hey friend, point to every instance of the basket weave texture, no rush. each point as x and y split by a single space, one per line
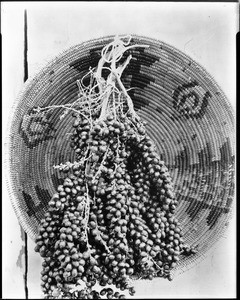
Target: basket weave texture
189 119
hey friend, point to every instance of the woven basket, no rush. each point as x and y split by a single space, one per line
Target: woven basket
189 119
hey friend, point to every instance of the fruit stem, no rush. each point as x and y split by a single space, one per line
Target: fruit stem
113 56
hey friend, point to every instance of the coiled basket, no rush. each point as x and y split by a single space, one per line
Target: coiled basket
189 119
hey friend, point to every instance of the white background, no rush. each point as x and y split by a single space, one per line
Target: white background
205 31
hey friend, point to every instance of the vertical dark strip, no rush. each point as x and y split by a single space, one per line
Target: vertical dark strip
25 58
26 265
25 77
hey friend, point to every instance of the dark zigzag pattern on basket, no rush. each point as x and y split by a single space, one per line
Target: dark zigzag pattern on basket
214 211
205 157
43 196
188 102
226 183
132 76
83 64
182 161
196 206
36 128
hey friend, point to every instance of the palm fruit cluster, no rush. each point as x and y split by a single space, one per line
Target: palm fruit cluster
112 219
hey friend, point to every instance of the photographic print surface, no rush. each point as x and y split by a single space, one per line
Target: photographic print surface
171 76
